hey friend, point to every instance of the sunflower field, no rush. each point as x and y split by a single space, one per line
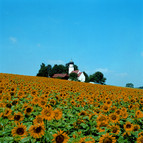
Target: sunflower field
46 110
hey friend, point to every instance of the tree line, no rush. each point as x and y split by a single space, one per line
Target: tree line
49 71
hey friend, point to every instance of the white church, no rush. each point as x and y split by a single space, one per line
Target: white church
80 75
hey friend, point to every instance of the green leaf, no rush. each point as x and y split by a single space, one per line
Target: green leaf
25 140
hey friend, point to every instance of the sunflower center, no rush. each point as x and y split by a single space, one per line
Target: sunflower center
8 105
39 120
108 102
135 128
38 129
48 113
17 117
128 126
28 110
11 93
105 107
59 139
56 114
20 131
14 102
43 102
107 140
114 117
114 130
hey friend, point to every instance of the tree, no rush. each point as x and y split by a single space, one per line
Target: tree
73 76
44 70
57 69
49 68
97 77
86 77
130 85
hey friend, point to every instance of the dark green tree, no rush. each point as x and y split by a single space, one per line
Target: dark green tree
57 69
97 77
49 68
43 70
130 85
86 77
73 76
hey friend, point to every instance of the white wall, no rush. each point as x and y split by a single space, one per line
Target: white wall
71 68
82 77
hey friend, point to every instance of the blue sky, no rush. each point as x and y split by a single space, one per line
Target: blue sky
98 35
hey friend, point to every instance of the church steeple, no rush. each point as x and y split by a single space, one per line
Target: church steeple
71 66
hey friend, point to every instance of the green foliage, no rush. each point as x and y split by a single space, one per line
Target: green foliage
49 71
130 85
44 70
73 76
57 69
86 77
97 77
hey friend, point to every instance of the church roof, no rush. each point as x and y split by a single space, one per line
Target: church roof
62 75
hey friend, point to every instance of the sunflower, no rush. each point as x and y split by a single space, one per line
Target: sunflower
124 114
115 129
136 127
34 93
47 113
38 120
113 117
102 117
52 102
82 113
14 102
107 139
105 108
140 134
138 114
18 117
28 110
37 131
86 140
35 100
60 137
101 126
128 126
7 112
140 139
20 130
20 94
108 102
42 103
57 114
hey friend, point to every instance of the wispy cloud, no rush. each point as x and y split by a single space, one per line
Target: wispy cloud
13 39
38 45
124 74
52 62
104 70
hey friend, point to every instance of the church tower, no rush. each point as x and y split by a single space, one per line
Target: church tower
71 66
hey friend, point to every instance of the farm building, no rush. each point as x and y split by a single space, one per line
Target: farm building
80 75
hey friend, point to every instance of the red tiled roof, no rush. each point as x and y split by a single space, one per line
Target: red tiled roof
75 71
59 75
79 74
